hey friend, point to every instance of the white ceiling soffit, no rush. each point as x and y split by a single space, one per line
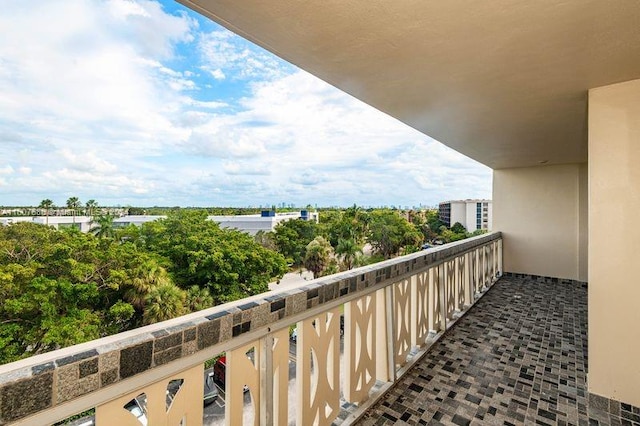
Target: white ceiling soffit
504 82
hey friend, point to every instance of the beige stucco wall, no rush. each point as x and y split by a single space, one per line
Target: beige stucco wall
614 235
542 212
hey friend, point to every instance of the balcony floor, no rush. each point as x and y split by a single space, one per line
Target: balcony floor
519 356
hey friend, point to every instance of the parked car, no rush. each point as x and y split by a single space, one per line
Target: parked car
220 373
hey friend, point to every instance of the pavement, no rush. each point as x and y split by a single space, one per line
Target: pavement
292 279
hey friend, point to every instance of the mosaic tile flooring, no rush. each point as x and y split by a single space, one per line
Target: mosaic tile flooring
518 357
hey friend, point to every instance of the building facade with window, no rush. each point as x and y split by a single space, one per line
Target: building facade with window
472 214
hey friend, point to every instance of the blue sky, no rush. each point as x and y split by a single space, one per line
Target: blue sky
147 103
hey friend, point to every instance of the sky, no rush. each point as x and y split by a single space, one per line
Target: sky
147 103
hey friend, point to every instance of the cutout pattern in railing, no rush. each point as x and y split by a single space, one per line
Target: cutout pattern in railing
318 369
420 308
436 292
450 287
168 402
402 320
359 347
244 363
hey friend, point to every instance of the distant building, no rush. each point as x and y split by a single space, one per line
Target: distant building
472 214
83 223
138 220
265 221
251 224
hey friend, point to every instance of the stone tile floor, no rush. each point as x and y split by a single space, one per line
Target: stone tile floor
518 357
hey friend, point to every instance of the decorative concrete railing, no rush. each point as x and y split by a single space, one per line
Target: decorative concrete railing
392 310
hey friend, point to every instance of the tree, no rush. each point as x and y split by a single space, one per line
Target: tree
266 240
198 299
292 238
458 228
348 224
104 226
91 206
348 250
164 302
318 256
61 288
47 205
227 262
142 280
74 204
430 228
456 233
390 233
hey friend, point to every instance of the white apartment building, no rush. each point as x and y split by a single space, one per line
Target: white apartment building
472 214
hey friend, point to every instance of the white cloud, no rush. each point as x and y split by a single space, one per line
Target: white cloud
87 162
6 170
105 100
225 53
243 168
218 74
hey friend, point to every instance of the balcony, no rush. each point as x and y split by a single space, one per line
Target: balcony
437 336
393 312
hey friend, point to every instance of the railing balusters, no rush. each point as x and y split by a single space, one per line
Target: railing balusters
318 369
450 286
243 369
420 308
461 282
274 379
402 318
442 296
360 347
185 405
384 344
435 317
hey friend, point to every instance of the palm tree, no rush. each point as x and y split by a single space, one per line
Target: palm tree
46 204
163 302
91 206
318 256
145 277
104 227
198 298
74 204
348 250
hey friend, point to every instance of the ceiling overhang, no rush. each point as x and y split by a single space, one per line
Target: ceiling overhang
505 83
